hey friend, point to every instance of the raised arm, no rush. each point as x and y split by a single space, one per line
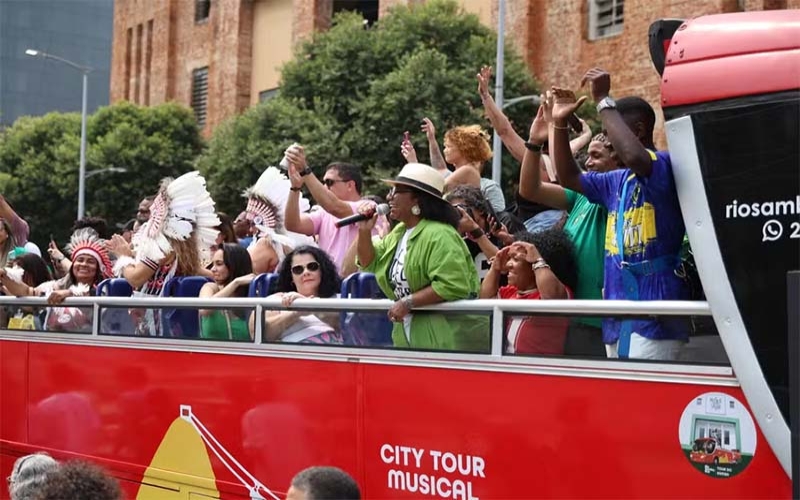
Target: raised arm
583 140
548 284
531 186
18 225
491 282
437 160
630 150
563 104
499 121
323 196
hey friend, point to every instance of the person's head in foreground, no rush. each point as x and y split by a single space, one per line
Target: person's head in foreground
323 483
28 474
79 480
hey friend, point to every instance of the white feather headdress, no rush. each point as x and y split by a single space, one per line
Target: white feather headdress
182 207
266 200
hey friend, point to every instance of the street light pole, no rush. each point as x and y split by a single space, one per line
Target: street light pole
497 143
82 168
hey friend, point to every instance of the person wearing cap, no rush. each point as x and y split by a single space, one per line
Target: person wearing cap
423 261
29 474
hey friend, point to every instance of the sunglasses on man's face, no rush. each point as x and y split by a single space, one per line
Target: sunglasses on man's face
331 182
300 269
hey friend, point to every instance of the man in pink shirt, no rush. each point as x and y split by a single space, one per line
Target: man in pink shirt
338 196
19 228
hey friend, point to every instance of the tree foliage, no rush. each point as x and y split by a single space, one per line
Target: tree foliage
39 162
351 92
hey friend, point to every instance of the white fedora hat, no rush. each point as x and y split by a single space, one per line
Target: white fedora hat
420 176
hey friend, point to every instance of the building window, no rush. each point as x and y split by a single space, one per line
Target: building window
201 10
266 95
200 95
367 8
605 18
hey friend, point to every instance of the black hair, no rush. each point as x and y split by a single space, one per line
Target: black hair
330 283
436 209
237 259
323 483
36 270
474 199
348 172
98 224
557 249
226 228
635 109
78 479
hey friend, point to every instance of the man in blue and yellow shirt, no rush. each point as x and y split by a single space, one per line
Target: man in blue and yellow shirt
645 228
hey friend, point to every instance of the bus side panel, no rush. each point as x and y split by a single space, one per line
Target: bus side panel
521 435
13 390
274 416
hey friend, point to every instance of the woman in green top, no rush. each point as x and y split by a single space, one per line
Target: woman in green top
423 261
232 271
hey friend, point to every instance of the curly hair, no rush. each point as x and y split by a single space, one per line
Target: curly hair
28 474
474 199
471 141
436 209
557 249
77 479
330 283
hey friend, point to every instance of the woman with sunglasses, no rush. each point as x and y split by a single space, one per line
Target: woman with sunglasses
306 272
423 261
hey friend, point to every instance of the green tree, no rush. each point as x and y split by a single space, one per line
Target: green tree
39 159
351 92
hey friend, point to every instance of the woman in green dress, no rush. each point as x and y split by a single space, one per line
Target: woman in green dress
232 271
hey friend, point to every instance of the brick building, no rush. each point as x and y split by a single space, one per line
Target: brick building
221 56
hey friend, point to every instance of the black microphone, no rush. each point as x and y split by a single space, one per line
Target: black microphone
381 209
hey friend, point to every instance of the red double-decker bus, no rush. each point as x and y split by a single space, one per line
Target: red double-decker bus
178 418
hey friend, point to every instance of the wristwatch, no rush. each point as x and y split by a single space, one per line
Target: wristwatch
537 148
305 171
606 103
476 233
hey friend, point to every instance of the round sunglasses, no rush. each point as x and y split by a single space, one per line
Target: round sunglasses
300 269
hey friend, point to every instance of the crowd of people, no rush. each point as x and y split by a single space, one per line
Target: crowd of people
607 228
40 477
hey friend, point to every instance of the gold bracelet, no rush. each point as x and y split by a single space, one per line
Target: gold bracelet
560 128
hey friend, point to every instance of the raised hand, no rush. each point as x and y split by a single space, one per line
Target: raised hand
429 129
599 83
484 76
500 260
295 178
407 150
296 156
564 104
118 246
527 251
539 127
466 223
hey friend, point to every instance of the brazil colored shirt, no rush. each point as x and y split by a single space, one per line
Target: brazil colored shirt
652 227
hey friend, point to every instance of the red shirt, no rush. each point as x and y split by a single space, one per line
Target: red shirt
534 334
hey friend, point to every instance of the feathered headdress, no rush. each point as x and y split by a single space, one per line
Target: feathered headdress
266 200
182 207
86 241
266 206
